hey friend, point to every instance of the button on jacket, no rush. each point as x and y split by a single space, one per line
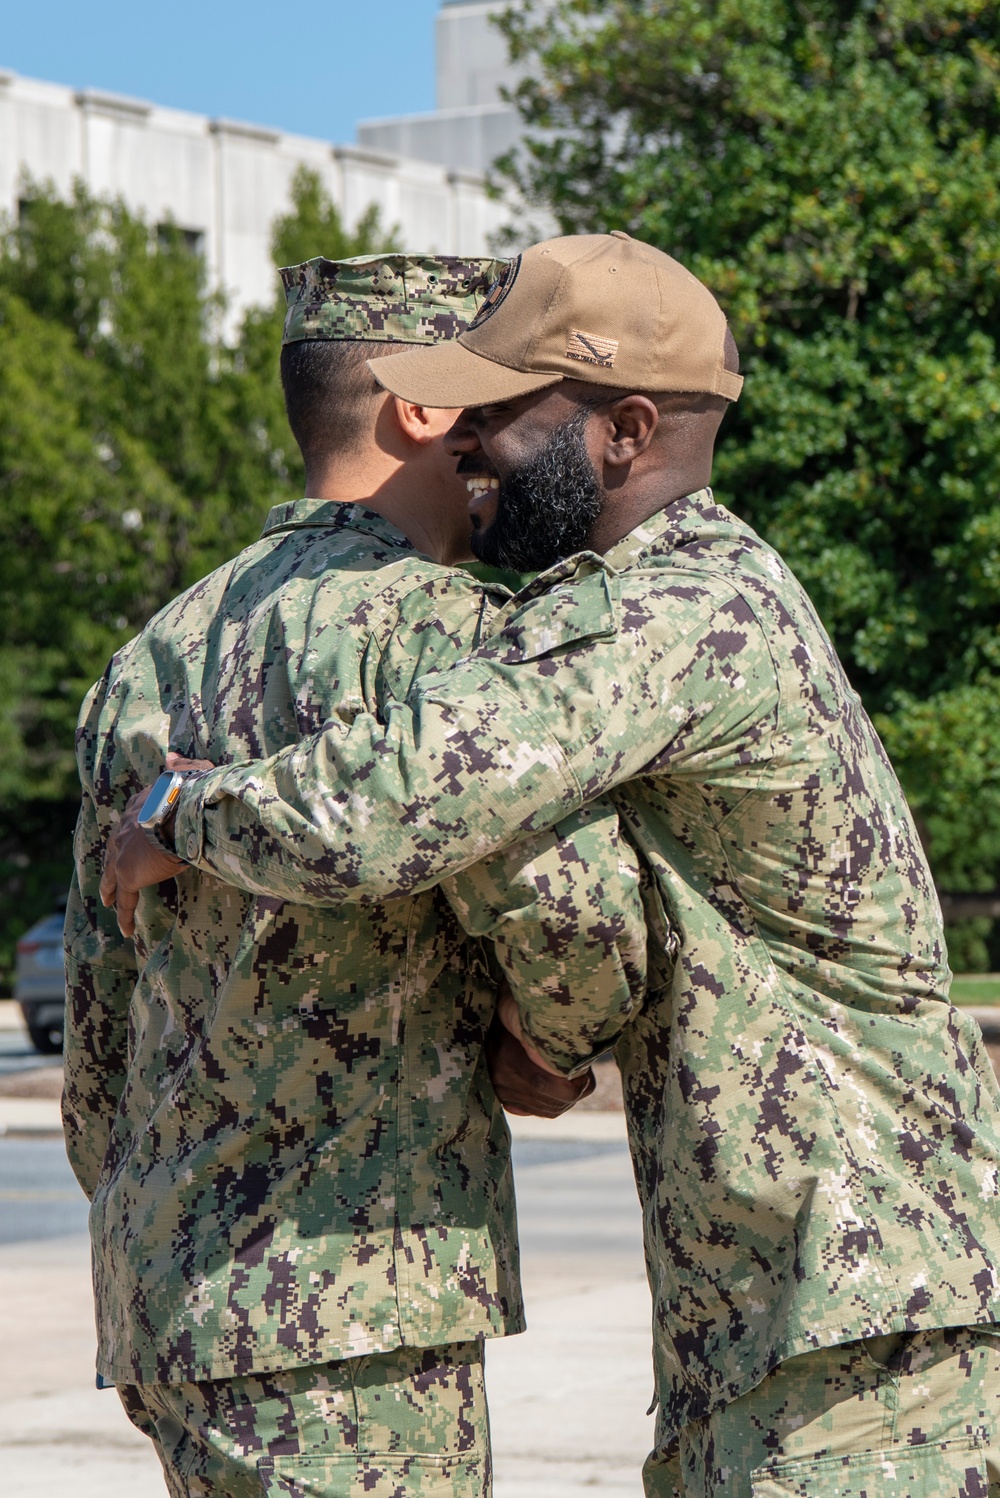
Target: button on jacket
815 1130
281 1111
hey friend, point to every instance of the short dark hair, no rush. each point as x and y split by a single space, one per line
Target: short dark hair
330 393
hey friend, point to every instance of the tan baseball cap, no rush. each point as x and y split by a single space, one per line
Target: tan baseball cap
604 308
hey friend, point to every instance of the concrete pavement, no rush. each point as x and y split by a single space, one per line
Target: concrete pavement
568 1397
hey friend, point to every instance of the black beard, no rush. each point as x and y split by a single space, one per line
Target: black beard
547 507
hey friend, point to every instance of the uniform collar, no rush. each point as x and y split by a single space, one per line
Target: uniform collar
334 515
660 533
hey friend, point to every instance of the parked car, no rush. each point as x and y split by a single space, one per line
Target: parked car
40 983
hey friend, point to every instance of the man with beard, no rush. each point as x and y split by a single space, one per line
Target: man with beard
815 1130
302 1207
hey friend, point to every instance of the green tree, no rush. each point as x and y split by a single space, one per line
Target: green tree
832 171
312 226
137 452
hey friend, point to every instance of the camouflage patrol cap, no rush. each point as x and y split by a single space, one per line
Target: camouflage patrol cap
385 298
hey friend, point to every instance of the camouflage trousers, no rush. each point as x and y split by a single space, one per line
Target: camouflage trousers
404 1424
915 1415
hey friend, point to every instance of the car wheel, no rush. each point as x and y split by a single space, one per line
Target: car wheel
47 1039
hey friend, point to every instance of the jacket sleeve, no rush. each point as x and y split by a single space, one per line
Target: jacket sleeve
564 911
550 713
101 973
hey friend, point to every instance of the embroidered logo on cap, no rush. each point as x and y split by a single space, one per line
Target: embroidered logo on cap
591 349
497 292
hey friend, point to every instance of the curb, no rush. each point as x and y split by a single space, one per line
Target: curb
571 1128
37 1116
10 1016
987 1016
43 1116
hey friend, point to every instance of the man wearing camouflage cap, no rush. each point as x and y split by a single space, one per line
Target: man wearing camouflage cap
816 1131
302 1209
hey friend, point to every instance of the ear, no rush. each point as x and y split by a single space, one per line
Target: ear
631 423
422 424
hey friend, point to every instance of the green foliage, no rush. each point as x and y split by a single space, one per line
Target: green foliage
137 452
969 946
832 171
505 576
312 227
947 750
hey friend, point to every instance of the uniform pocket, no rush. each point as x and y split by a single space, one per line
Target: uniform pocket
941 1469
372 1476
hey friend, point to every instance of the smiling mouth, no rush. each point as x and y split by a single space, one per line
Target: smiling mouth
480 484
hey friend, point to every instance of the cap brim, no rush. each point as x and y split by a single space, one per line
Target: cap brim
449 374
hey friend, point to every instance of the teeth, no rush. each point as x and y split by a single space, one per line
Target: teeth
481 484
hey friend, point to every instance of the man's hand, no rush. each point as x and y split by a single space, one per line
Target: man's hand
181 763
523 1086
133 861
510 1017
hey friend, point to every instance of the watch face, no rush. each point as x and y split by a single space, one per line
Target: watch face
159 801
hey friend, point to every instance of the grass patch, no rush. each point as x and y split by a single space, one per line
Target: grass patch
976 988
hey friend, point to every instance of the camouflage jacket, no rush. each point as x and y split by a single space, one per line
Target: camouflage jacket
815 1130
280 1111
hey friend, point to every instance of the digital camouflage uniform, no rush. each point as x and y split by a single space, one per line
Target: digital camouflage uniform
410 1422
815 1130
280 1111
912 1415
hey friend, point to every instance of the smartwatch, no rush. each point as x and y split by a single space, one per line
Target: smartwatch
161 801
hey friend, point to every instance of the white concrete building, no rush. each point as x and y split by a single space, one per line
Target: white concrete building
224 182
471 125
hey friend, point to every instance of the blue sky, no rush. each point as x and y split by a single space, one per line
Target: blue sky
314 69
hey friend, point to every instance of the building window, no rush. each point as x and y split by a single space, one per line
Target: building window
170 235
